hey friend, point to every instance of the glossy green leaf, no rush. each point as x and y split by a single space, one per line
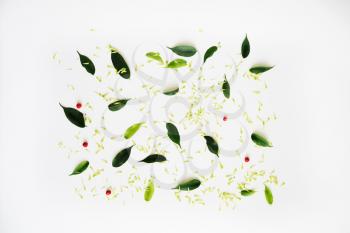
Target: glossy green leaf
149 191
247 192
212 145
173 133
260 140
245 48
122 157
184 50
155 56
226 88
132 130
117 105
154 158
260 69
268 195
87 63
171 92
74 116
120 64
177 63
210 52
82 166
189 185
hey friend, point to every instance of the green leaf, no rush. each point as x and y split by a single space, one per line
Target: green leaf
74 116
245 48
132 130
120 64
155 56
184 50
87 63
122 157
189 185
153 158
247 192
149 190
226 88
210 52
268 195
117 105
260 69
173 133
80 167
171 92
212 145
260 140
177 63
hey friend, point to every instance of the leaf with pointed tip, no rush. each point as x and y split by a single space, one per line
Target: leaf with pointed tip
117 105
74 116
177 63
245 48
80 167
210 52
226 88
132 130
260 140
173 133
184 50
212 145
87 63
149 191
122 157
153 158
247 192
260 69
171 92
155 56
268 195
189 185
120 64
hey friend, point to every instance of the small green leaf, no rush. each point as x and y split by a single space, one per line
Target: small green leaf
153 158
155 56
210 52
80 167
189 185
177 63
226 88
245 49
260 69
171 92
87 63
184 50
149 190
117 105
120 64
247 192
74 116
260 140
122 157
212 145
173 133
268 195
132 130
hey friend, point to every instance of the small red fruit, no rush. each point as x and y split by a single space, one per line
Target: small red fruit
85 144
246 159
79 105
225 118
108 192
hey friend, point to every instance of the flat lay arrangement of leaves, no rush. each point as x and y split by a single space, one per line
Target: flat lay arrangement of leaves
244 179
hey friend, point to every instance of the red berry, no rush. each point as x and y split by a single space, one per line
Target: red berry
246 159
108 192
225 118
85 144
79 105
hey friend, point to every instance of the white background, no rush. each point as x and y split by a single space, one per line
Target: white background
309 42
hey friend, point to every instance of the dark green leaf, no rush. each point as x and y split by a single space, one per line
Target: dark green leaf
80 167
117 105
212 145
153 158
87 63
268 195
155 56
260 140
245 49
122 157
226 88
189 185
149 190
120 64
260 69
171 92
184 50
74 116
247 192
173 133
177 63
210 52
132 130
